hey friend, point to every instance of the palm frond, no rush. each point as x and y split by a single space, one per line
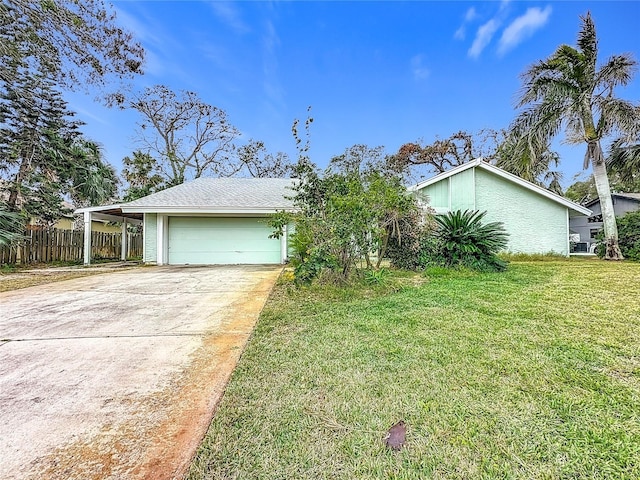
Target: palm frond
588 41
618 70
624 159
618 115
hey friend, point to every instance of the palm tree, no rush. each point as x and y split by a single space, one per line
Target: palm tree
569 92
624 161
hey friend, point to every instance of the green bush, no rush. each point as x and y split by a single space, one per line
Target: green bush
406 251
463 240
628 237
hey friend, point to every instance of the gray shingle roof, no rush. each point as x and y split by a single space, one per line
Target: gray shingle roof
223 193
632 196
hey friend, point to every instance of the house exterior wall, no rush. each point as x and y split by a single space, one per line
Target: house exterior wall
535 224
436 195
150 235
453 193
587 229
463 191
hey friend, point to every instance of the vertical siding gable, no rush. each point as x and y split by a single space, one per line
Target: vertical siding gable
463 190
535 223
438 194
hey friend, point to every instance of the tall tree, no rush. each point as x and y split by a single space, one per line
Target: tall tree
34 120
569 90
256 161
189 136
542 172
142 174
447 153
72 42
43 156
89 179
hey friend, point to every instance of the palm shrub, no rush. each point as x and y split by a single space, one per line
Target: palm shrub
463 240
11 227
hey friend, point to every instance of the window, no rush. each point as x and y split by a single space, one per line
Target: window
593 233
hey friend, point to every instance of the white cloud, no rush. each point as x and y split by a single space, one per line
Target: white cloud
483 37
419 70
470 15
523 27
229 14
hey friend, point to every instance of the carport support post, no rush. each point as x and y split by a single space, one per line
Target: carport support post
123 247
87 238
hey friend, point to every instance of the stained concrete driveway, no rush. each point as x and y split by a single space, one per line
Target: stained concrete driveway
117 375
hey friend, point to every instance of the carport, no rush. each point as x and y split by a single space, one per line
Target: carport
109 213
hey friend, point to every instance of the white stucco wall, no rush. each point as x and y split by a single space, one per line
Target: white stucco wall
535 224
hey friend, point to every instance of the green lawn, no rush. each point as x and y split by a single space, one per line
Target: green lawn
532 373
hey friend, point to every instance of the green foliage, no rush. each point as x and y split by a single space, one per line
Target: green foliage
376 277
570 91
582 191
344 216
75 44
43 154
585 191
142 173
628 237
465 241
11 227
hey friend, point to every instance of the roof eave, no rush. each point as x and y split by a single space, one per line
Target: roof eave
200 210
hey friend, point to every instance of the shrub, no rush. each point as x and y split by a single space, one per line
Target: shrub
465 241
406 251
628 237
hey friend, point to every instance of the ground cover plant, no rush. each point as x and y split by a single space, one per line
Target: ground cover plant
529 373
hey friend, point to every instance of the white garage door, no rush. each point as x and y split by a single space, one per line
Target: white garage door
210 241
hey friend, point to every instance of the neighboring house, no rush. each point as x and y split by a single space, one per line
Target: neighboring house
207 221
536 219
588 227
66 222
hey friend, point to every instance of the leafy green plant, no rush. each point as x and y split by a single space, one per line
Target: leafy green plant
344 220
628 237
466 241
376 277
11 227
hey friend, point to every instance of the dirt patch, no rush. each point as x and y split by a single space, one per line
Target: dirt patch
15 281
30 277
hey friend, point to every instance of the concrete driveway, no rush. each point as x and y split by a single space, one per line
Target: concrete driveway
117 375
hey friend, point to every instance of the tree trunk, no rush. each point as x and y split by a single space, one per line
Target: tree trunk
612 249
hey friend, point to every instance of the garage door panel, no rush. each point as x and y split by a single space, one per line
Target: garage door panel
202 240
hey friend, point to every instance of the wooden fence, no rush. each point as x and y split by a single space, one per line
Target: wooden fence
54 245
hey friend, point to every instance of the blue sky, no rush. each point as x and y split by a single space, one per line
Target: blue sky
378 73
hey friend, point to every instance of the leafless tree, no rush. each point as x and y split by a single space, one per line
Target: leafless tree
188 136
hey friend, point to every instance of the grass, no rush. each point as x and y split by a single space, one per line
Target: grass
532 373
